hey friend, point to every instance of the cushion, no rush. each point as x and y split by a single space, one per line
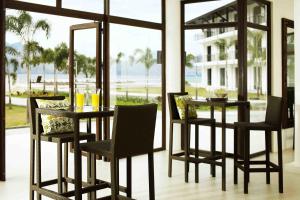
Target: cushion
181 103
52 124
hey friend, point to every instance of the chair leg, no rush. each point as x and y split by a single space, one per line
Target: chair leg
188 146
246 162
151 177
32 165
114 188
170 150
213 148
93 175
267 140
280 163
38 166
186 155
196 153
235 156
89 172
59 167
129 178
66 164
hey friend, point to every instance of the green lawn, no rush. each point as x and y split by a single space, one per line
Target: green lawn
15 117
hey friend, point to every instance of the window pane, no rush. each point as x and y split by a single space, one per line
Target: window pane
137 9
211 63
211 12
95 6
43 2
257 12
135 70
257 72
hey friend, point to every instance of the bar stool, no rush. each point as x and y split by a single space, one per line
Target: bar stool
132 135
35 149
272 122
183 156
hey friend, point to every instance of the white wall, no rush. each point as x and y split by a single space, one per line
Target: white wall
280 9
173 54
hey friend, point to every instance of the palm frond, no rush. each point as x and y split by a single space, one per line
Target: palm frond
42 25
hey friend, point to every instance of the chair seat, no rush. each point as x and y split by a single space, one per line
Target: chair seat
195 121
255 126
66 137
100 147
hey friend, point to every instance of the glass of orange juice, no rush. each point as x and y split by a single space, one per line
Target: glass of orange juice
95 99
79 99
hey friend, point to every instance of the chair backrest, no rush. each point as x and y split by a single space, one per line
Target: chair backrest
133 130
174 114
274 111
33 105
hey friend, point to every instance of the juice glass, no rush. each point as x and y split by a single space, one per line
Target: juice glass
95 101
79 100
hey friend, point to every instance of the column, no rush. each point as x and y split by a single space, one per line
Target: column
173 57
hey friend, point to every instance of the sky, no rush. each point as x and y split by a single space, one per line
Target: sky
123 38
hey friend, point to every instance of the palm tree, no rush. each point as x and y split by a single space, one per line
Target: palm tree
146 58
258 56
131 61
25 28
61 54
47 57
14 62
189 63
118 60
224 46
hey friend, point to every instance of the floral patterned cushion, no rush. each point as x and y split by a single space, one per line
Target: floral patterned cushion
181 102
52 124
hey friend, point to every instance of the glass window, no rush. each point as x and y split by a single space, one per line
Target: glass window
135 71
210 55
95 6
43 2
257 72
222 77
211 12
209 77
256 12
137 9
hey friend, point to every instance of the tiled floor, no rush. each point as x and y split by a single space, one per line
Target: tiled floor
17 185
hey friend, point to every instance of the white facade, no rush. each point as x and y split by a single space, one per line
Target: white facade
208 55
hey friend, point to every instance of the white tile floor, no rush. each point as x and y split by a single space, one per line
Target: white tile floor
17 185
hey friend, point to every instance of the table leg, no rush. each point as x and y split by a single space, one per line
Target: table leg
224 148
77 160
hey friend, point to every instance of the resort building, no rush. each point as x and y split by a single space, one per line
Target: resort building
216 49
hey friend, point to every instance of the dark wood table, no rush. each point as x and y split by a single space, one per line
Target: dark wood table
223 124
76 115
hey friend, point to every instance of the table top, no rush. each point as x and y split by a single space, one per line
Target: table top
80 113
227 103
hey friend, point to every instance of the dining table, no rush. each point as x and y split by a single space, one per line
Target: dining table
223 104
76 114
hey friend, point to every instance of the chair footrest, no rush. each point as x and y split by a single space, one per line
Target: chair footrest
273 166
119 198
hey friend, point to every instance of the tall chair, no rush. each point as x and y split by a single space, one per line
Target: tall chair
175 119
272 122
132 135
35 150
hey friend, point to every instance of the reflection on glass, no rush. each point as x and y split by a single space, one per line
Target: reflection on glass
211 63
135 69
290 58
95 6
211 12
43 2
257 72
137 9
256 12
